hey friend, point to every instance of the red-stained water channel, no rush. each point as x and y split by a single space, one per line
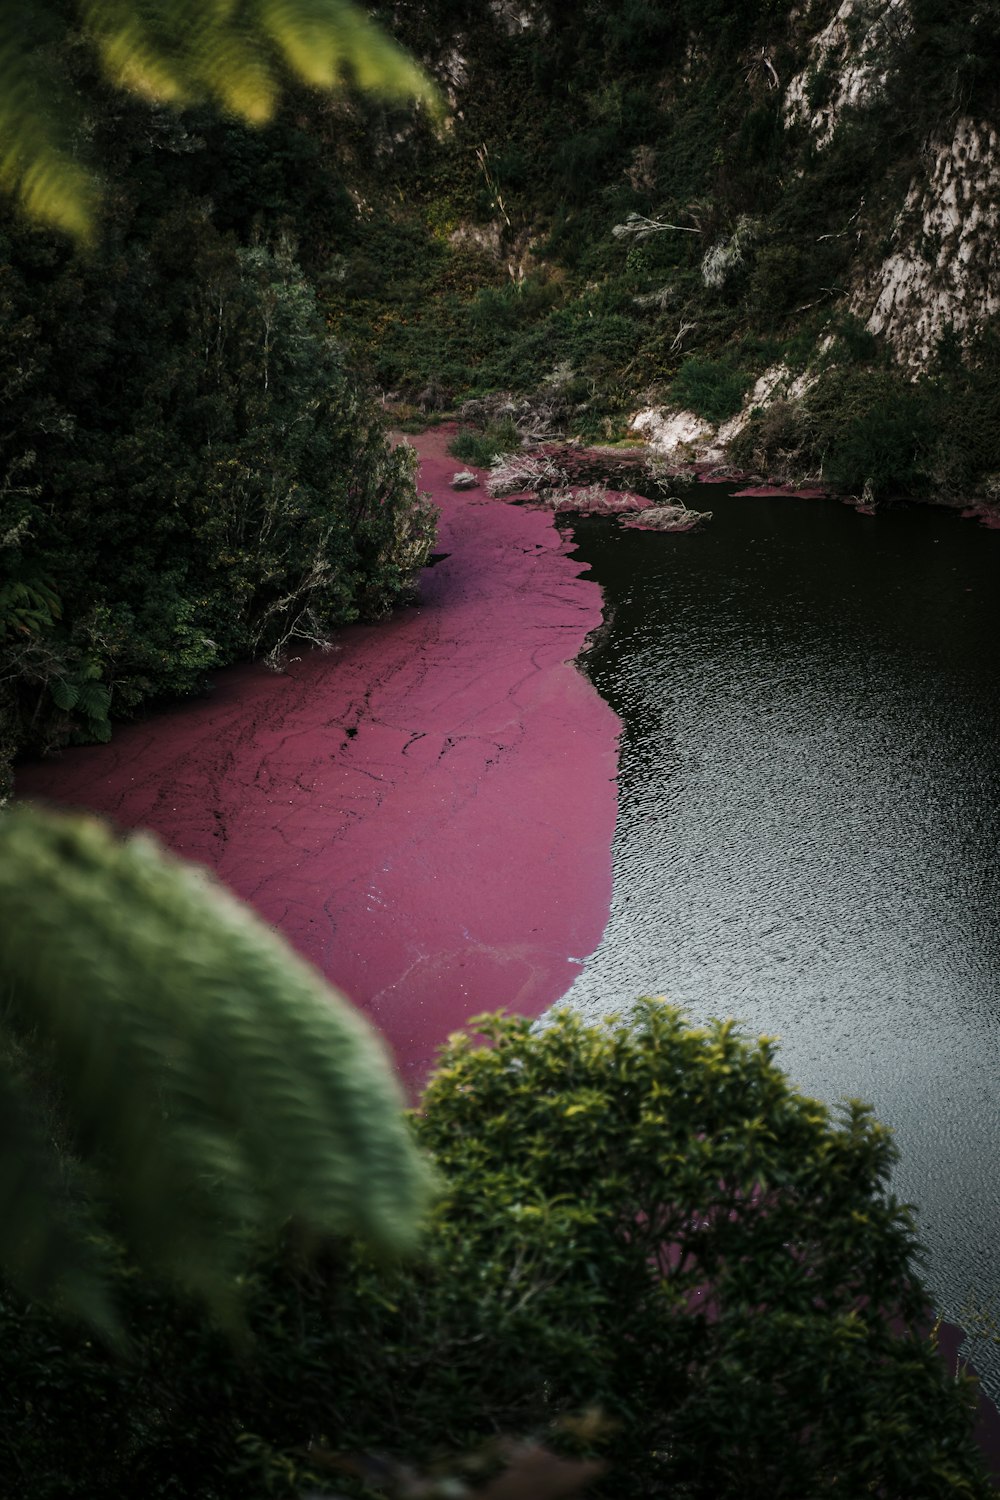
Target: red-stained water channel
425 811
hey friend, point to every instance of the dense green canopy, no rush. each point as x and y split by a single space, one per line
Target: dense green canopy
647 1245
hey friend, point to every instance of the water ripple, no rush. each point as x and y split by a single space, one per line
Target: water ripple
809 828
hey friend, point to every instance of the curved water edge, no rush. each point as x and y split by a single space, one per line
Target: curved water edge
804 839
427 810
809 825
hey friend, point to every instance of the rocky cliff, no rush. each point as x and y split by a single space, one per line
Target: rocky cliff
768 228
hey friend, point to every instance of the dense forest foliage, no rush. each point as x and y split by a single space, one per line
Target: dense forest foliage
192 471
649 1247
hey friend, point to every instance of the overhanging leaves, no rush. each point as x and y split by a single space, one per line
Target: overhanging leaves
212 1081
179 52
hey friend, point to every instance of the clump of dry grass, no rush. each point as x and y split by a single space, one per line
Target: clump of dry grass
513 473
674 516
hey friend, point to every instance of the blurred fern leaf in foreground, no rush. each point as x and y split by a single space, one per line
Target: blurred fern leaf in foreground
207 1084
232 53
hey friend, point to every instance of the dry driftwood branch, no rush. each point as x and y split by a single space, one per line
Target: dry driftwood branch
683 330
641 227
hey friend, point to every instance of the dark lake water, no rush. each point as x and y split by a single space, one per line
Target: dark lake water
809 829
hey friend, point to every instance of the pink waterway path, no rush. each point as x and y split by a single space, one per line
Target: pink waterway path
426 811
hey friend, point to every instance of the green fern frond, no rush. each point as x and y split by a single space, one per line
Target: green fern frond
28 604
178 52
322 40
64 694
94 701
217 1082
37 163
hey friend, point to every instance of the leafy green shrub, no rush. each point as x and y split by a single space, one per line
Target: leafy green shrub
480 446
644 1217
650 1217
880 451
712 388
198 477
776 280
503 308
964 420
871 431
853 343
583 156
773 440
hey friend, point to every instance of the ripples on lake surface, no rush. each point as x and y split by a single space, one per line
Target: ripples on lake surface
808 829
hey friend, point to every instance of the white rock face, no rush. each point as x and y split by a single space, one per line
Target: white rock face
672 434
513 17
854 48
945 269
453 71
776 384
683 437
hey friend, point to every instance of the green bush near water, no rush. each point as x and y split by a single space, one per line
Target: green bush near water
869 428
713 389
874 433
194 477
481 447
646 1218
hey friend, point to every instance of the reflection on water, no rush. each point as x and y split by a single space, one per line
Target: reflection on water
809 828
